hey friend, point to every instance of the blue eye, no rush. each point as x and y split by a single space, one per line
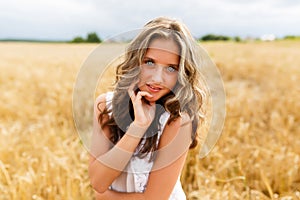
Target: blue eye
171 69
149 62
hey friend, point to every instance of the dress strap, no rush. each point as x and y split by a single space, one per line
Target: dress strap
163 121
108 98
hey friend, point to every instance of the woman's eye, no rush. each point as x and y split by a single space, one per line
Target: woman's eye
171 69
149 62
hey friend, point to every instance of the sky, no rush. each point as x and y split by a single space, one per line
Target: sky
66 19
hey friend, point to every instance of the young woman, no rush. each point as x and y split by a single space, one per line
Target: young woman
145 126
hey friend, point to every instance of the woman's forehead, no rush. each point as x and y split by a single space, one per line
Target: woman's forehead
167 45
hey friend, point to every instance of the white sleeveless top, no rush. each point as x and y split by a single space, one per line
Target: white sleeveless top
134 178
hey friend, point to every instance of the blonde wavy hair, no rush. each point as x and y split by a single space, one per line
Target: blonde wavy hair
186 97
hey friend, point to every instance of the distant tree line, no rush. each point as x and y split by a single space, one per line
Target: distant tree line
91 38
213 37
292 37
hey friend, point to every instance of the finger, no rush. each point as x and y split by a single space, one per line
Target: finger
144 94
139 96
131 89
131 94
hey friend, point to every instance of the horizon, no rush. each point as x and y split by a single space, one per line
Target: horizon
269 37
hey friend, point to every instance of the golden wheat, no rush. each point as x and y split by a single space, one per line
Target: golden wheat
257 157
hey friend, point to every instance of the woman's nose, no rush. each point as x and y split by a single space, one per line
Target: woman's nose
157 76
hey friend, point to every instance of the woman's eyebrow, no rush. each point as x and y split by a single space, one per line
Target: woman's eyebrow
148 58
153 59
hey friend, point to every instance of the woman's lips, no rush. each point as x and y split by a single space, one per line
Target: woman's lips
152 88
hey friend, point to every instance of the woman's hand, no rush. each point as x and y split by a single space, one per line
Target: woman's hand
143 112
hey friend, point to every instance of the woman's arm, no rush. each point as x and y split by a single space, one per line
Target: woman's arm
169 162
107 161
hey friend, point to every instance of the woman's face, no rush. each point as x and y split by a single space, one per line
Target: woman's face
159 69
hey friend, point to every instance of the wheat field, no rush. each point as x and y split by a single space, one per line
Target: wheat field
257 156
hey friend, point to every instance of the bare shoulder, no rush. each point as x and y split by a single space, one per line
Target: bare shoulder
99 108
101 98
100 102
179 128
183 120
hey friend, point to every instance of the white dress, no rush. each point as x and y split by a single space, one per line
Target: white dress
135 176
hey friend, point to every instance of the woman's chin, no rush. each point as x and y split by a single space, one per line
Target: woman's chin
152 99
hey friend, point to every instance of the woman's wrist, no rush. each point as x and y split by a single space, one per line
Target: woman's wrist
136 130
140 125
